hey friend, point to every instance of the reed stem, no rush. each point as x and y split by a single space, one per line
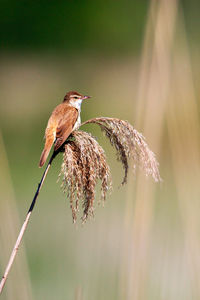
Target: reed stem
24 226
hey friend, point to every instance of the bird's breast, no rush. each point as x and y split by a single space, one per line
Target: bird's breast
78 122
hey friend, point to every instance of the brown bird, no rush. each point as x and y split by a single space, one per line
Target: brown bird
64 119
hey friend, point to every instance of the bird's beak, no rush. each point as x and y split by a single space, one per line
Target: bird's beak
86 97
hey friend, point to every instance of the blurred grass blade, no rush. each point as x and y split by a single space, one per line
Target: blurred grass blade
153 91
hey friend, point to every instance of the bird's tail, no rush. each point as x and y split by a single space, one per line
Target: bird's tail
45 152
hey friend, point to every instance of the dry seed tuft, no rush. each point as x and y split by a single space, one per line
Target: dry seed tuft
129 144
84 162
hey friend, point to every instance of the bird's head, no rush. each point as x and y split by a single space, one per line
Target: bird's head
75 99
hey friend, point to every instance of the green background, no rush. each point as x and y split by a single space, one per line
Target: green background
139 60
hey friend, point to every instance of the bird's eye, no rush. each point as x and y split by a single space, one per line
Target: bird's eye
75 97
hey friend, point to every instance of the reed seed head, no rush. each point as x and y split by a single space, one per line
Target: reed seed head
129 144
84 162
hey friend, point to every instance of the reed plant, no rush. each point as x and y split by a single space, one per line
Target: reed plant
84 164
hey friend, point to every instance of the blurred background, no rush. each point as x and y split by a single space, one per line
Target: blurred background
139 60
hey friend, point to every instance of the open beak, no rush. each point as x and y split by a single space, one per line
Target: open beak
86 97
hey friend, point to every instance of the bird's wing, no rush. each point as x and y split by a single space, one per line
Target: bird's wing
65 126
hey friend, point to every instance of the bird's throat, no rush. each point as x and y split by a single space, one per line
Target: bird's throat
76 104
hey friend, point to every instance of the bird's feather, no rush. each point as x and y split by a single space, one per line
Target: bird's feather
59 127
65 126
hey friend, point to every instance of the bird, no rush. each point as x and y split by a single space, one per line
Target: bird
64 119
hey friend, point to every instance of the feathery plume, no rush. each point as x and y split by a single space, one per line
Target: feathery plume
84 162
129 144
